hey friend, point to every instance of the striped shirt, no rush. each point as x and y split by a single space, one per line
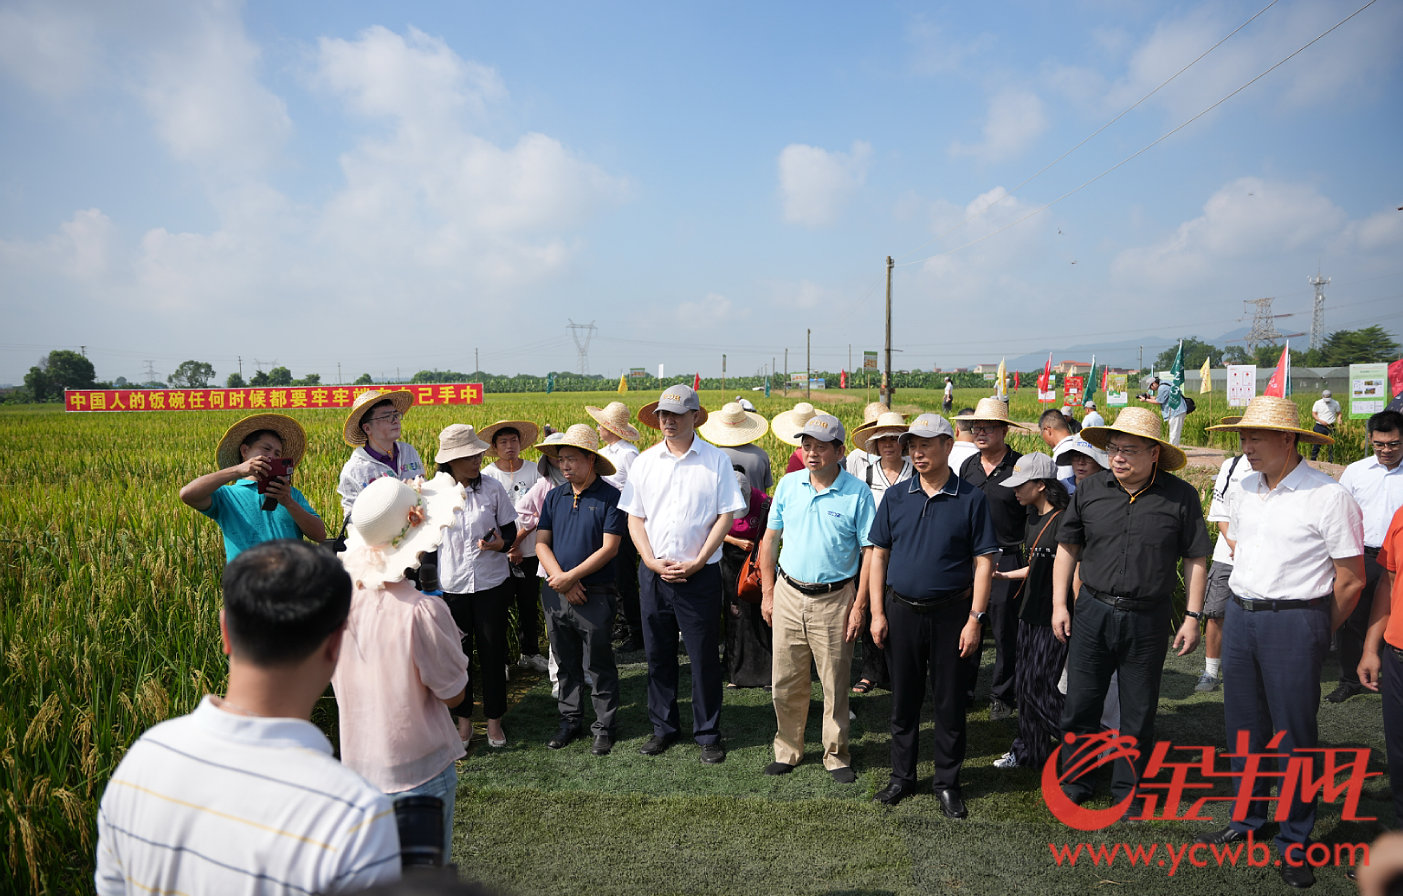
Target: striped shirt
214 802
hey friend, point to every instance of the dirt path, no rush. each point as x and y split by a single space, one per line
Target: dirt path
1212 459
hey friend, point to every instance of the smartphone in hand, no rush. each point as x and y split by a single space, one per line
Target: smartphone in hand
279 468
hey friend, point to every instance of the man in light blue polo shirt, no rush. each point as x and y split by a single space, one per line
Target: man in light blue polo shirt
815 599
230 495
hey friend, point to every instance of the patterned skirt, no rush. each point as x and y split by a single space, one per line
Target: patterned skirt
1040 660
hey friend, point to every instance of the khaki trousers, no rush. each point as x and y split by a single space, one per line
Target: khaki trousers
810 627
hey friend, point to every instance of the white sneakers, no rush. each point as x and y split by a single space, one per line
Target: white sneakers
1006 761
535 661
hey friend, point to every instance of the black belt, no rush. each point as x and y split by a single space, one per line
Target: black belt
1124 603
1259 606
806 588
1372 552
1396 652
933 604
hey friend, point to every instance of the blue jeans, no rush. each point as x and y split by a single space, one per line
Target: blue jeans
444 785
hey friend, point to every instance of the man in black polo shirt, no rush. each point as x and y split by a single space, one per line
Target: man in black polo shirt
580 530
987 471
1129 526
932 564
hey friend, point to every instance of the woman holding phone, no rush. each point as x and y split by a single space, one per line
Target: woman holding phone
475 574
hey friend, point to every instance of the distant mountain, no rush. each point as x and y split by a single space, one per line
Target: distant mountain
1117 354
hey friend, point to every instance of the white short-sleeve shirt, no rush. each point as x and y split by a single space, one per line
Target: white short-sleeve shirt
1287 538
1379 493
622 454
679 498
462 567
1230 476
1328 409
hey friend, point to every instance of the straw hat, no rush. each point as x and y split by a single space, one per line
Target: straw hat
289 430
733 426
1144 423
678 399
394 522
1275 414
614 417
991 410
529 432
583 437
543 464
873 410
459 440
788 425
355 436
889 423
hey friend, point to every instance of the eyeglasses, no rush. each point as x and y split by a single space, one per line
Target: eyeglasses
1387 446
1124 451
987 430
387 418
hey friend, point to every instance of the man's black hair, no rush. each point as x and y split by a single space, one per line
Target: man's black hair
365 418
1385 421
258 434
963 425
282 599
1056 415
503 431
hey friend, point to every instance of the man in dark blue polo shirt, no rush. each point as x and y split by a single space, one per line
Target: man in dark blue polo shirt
933 545
580 530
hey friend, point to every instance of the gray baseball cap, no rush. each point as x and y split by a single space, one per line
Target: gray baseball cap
825 428
678 399
1089 404
1029 467
928 426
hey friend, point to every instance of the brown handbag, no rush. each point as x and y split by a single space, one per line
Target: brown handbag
748 586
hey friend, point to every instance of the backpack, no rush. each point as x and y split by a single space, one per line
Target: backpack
1190 403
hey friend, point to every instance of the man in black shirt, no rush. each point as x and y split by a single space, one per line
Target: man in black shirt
987 471
1129 526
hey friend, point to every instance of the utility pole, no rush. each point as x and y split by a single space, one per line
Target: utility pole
850 361
886 391
338 373
477 365
808 361
1317 321
241 366
397 374
723 375
786 373
772 370
84 350
1141 366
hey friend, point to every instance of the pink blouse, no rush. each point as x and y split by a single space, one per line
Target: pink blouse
401 654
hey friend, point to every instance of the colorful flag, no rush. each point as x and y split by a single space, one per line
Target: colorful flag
623 382
1207 374
1046 375
1280 382
550 383
767 387
1015 381
843 380
696 383
1395 379
1176 379
1091 381
1003 381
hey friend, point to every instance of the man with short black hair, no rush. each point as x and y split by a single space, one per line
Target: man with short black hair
243 793
964 447
1376 482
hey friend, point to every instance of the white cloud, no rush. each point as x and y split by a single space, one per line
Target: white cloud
49 49
81 250
1016 118
815 185
933 52
714 310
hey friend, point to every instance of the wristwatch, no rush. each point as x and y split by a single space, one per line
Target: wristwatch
1194 614
978 617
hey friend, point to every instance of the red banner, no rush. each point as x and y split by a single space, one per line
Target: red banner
279 398
1072 391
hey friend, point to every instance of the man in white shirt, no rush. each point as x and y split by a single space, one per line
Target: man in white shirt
1056 432
948 401
964 447
1298 541
617 436
243 795
1215 599
1092 418
680 498
1326 412
507 438
1376 483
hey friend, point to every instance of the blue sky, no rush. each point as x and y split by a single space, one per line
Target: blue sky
317 183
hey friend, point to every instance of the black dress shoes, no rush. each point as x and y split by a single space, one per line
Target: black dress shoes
602 745
564 737
1221 838
1340 694
894 793
952 803
657 744
1299 876
713 754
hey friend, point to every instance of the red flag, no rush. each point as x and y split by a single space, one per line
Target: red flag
1277 385
1046 375
696 383
1015 381
843 380
1395 379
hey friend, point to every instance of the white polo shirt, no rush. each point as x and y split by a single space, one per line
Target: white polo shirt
1379 492
1328 410
1230 476
462 567
1287 538
214 802
621 454
679 498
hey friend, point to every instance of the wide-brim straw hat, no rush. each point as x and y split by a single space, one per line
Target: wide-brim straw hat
403 400
888 423
1146 424
583 437
733 426
873 410
614 417
1229 421
991 410
788 425
293 436
543 463
1275 414
459 440
383 540
528 431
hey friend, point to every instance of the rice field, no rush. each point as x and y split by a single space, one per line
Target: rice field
109 586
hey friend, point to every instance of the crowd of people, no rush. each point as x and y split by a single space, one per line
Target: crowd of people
911 538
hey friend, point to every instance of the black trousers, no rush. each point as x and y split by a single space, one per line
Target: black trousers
1392 688
874 658
1350 637
693 609
1106 640
482 618
1003 628
626 569
921 645
526 598
1315 449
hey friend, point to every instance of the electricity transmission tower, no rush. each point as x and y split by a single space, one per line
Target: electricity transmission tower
582 333
1263 330
1317 320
